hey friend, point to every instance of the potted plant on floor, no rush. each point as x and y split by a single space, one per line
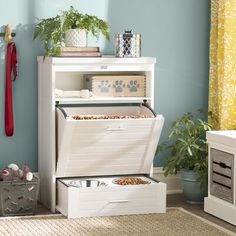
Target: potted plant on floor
70 28
187 146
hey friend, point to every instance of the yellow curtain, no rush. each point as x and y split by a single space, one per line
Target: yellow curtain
222 87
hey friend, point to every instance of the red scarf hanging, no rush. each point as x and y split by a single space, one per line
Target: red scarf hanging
11 62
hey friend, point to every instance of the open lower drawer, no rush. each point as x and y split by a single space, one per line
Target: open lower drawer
103 145
102 196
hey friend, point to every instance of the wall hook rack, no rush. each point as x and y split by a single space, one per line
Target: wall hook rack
3 34
8 35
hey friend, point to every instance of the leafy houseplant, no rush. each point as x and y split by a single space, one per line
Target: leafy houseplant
187 147
72 19
52 30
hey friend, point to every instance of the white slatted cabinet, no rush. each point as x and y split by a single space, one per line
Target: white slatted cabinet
63 144
221 200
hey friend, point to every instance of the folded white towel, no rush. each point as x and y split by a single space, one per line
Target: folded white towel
69 93
58 93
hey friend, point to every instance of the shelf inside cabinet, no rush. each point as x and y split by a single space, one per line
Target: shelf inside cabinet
101 100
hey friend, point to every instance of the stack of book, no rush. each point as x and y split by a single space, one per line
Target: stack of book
80 52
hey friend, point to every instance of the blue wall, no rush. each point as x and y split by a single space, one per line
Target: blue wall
174 31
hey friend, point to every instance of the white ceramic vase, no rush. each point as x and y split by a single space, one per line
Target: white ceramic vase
76 38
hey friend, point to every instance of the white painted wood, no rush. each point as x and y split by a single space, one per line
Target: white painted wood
221 200
96 100
62 198
112 199
46 135
101 68
221 209
226 137
173 182
110 147
67 73
101 61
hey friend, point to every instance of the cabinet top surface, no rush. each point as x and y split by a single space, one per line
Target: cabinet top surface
222 133
226 137
96 60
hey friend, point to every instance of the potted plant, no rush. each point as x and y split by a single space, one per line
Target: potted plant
70 28
187 148
75 23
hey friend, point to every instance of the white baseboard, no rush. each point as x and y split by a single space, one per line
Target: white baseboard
173 181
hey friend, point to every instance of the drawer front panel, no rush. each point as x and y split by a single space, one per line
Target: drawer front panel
224 171
118 200
222 180
106 147
226 159
222 192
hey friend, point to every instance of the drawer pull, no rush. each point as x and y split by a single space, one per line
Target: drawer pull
119 128
104 67
119 201
221 164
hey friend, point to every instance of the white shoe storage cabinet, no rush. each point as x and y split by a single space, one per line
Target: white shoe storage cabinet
101 150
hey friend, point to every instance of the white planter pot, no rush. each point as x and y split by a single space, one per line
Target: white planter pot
76 38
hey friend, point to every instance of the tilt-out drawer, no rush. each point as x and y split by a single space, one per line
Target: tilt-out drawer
96 147
221 181
110 199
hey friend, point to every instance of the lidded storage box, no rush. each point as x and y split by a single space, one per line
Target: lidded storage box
116 85
108 141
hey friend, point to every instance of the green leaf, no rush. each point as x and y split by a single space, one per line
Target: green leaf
186 142
51 31
189 151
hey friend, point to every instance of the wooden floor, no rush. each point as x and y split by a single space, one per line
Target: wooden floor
175 200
